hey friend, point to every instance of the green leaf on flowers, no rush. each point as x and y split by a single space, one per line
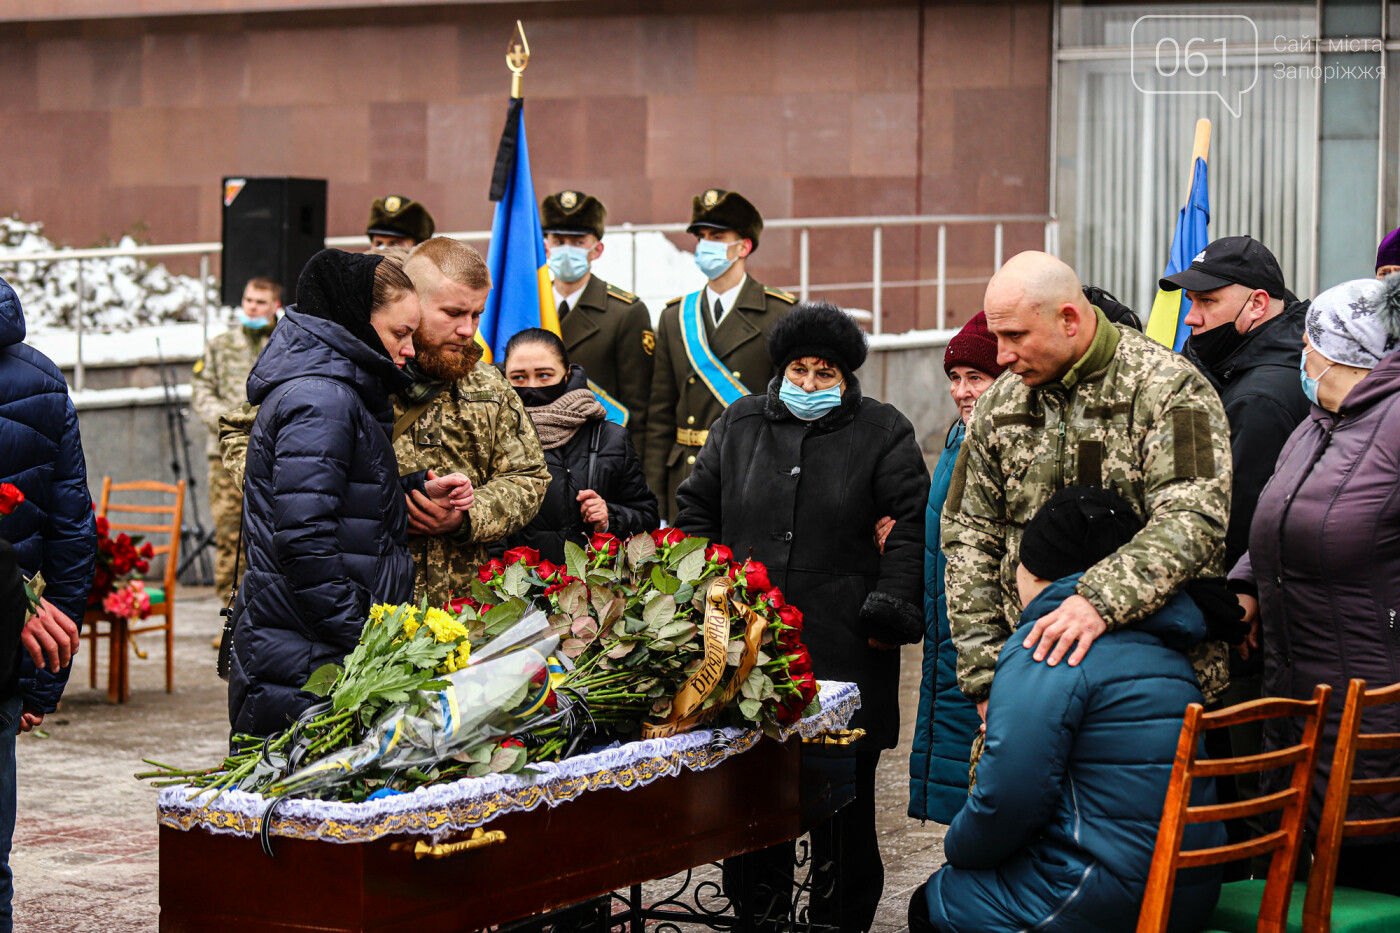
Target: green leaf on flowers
573 647
659 613
664 582
678 630
507 760
753 685
573 599
751 709
734 652
501 617
622 649
511 700
575 560
634 625
685 594
640 549
484 594
514 582
322 680
684 548
813 708
478 770
691 566
559 624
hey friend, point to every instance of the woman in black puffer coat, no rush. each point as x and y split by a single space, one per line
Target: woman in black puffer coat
596 482
798 478
324 518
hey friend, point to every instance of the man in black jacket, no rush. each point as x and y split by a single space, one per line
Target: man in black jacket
1247 338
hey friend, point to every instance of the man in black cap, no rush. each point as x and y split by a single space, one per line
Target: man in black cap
398 221
1247 338
606 330
711 345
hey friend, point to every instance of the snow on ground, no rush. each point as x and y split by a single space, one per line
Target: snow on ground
119 293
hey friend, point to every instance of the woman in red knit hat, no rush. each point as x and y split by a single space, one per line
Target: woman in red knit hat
938 766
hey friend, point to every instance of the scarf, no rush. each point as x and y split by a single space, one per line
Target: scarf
558 423
423 387
339 286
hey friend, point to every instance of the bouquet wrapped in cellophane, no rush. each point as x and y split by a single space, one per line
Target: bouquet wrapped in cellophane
644 639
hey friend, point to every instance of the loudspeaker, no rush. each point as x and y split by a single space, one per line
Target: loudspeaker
272 226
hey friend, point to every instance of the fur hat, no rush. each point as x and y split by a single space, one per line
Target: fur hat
398 216
726 210
817 328
973 346
573 213
1358 322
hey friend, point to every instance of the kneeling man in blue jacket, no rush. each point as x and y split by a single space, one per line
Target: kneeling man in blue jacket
1057 834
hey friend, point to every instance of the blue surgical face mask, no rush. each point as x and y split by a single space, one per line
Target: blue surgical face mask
809 406
568 263
712 258
1309 383
253 323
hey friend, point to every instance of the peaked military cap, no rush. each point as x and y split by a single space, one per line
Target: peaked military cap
398 216
726 210
573 213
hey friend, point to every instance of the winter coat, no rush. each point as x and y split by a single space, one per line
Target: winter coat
324 516
600 456
1131 416
948 721
1058 833
1264 401
1324 558
805 497
219 382
41 452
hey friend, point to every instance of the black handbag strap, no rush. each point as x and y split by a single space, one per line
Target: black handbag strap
593 453
225 660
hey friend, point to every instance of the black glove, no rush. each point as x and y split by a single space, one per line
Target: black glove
1223 612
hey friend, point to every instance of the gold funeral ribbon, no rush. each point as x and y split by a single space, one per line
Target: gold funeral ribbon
686 712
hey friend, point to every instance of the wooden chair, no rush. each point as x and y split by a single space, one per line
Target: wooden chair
1326 908
119 632
1292 804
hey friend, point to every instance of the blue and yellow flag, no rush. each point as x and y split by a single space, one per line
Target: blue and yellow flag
521 293
1167 325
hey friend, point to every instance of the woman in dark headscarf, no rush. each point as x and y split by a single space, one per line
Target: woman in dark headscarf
324 520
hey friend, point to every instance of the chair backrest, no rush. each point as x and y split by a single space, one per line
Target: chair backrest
1333 826
1292 802
170 528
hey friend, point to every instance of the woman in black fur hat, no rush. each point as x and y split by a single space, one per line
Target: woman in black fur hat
797 479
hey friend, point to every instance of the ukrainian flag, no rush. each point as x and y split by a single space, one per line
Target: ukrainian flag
521 293
1167 325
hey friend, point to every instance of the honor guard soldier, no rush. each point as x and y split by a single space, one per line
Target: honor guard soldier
711 345
606 330
397 221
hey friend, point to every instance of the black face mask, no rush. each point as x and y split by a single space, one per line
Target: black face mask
540 396
1215 345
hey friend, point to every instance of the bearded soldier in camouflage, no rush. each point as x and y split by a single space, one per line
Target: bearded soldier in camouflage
456 417
1083 402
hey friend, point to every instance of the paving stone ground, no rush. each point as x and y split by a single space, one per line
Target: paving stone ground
85 841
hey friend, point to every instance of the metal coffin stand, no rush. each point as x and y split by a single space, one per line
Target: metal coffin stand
526 865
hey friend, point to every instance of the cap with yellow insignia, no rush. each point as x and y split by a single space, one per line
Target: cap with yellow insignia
726 210
573 213
396 215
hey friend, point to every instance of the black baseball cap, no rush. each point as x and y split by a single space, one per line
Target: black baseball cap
1231 260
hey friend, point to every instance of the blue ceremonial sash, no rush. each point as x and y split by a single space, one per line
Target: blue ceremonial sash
716 376
614 411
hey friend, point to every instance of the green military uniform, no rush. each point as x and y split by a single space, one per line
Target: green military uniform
479 427
682 406
1130 415
220 382
608 332
476 426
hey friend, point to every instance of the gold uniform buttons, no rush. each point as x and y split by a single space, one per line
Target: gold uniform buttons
690 459
690 419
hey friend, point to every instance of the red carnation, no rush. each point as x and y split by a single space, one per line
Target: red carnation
10 498
489 570
664 537
755 576
719 554
605 544
523 555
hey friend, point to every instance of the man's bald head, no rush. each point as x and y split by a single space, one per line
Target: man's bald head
1037 311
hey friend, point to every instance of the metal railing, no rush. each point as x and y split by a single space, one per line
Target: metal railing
877 285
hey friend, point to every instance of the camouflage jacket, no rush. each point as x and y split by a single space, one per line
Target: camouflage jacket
479 427
1131 415
475 426
220 379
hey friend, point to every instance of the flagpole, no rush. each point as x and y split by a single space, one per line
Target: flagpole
1200 149
518 59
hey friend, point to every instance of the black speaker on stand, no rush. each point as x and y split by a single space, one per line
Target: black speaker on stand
272 226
